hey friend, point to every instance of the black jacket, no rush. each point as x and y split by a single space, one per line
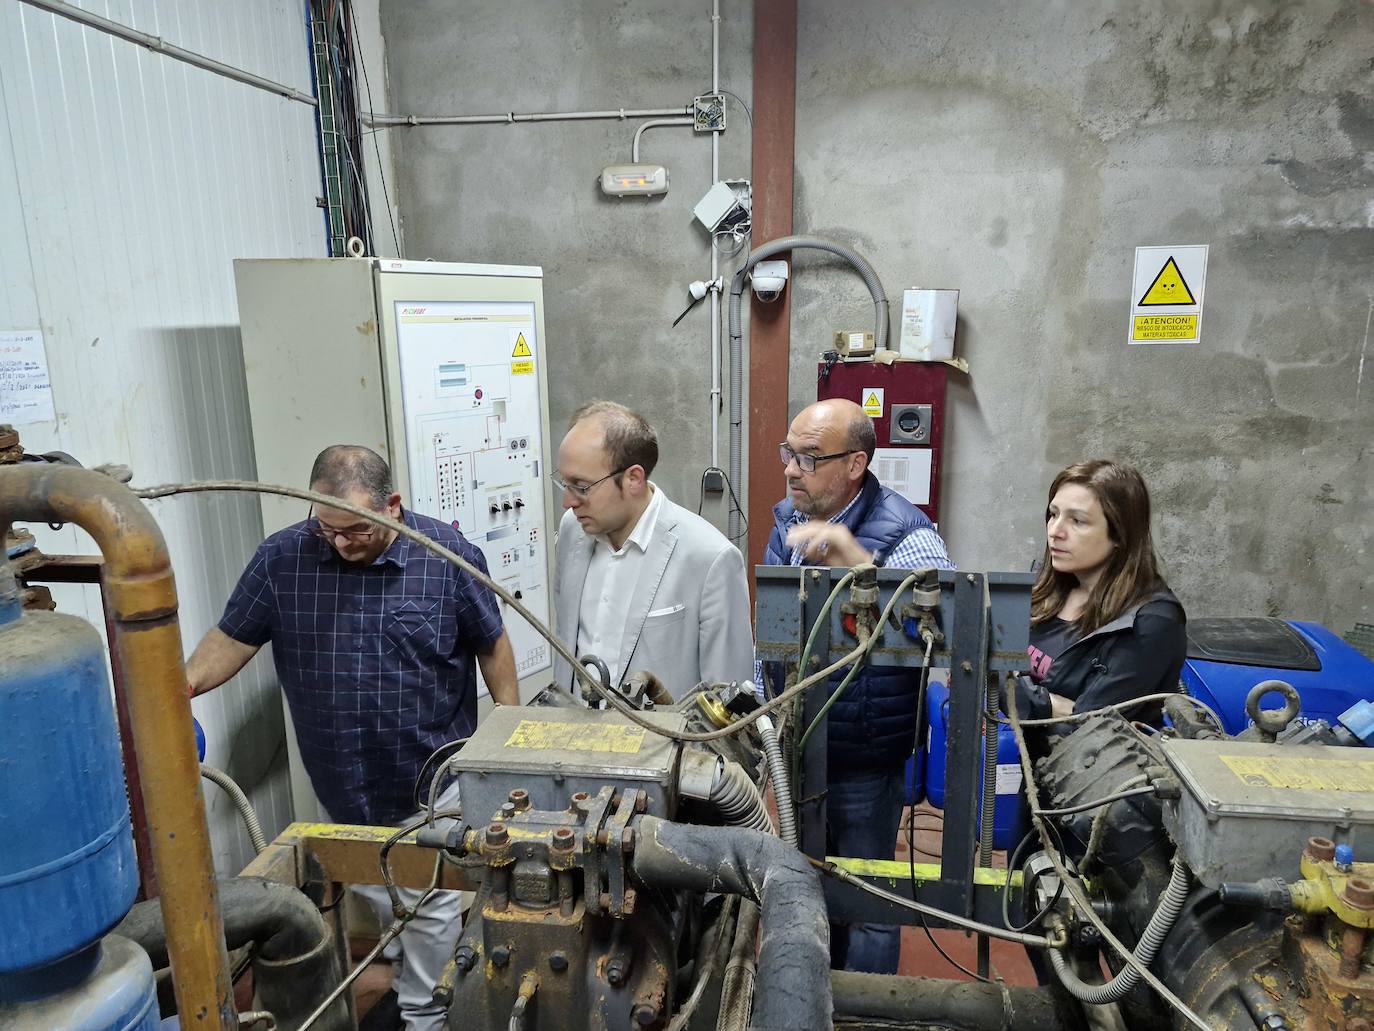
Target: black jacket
1140 652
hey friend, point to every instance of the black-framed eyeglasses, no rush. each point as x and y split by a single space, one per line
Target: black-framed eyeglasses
329 534
582 490
807 463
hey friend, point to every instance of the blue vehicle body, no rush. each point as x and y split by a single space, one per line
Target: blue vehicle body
1228 657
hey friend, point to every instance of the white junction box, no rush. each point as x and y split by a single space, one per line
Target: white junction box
928 318
439 367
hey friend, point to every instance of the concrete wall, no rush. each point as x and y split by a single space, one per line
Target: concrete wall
616 271
1019 152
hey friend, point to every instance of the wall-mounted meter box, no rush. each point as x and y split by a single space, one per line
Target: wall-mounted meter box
439 367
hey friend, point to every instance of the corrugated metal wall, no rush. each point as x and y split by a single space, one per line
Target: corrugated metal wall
128 184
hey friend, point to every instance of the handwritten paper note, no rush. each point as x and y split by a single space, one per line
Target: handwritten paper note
25 388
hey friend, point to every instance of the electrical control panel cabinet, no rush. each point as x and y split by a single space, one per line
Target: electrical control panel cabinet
439 367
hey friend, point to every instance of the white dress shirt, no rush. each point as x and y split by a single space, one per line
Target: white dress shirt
609 588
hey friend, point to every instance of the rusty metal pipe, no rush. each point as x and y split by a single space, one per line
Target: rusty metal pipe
147 644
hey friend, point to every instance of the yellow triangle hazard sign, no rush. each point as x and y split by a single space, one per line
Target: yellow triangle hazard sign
1169 287
522 349
872 400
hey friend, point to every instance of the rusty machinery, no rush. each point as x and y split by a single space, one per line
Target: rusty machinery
622 862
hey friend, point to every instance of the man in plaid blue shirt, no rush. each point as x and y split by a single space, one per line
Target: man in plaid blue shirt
374 640
837 514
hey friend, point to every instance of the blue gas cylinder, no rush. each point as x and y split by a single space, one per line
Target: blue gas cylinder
119 995
1010 819
67 867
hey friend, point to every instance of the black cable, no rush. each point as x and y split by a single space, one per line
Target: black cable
735 97
381 173
734 501
446 750
1026 885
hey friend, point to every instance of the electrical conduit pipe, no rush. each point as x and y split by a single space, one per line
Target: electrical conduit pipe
760 253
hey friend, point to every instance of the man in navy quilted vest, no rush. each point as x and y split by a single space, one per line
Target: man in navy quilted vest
837 514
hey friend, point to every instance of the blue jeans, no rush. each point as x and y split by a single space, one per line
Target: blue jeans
864 810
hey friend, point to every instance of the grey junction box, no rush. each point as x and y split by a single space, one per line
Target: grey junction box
553 752
1247 808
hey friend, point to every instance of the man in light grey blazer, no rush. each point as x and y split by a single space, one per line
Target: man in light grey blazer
640 582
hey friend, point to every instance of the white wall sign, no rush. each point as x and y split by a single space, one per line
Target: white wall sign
25 388
1166 294
905 470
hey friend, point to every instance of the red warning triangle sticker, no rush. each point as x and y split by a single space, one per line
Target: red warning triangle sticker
1169 287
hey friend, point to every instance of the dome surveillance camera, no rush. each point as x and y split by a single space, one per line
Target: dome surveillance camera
768 278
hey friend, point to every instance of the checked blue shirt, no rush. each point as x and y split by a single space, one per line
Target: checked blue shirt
377 661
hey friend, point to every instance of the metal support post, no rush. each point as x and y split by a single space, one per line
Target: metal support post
811 808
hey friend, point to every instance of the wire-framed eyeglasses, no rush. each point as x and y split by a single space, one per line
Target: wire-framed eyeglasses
806 463
329 534
582 489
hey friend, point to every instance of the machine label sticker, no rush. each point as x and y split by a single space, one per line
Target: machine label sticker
873 402
522 368
1008 778
1302 774
577 737
1166 294
522 349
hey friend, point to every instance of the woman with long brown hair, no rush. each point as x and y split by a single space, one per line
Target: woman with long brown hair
1105 627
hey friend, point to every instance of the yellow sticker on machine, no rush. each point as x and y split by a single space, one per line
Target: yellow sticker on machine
575 737
1302 774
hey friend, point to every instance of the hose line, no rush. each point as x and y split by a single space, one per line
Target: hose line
241 803
1161 923
777 774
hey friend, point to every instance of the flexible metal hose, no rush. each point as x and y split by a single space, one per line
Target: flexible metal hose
739 801
767 250
737 986
989 776
241 803
1170 904
777 774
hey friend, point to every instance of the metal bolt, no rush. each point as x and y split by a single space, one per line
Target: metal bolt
1321 849
644 1014
615 973
1359 893
496 834
970 578
967 667
500 956
563 839
641 802
465 959
558 962
627 840
507 810
520 798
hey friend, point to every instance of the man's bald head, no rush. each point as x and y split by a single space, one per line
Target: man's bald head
837 440
841 421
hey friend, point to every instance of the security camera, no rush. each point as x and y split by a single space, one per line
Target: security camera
768 279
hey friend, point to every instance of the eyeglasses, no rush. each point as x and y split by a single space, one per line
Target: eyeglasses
807 463
582 490
329 534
